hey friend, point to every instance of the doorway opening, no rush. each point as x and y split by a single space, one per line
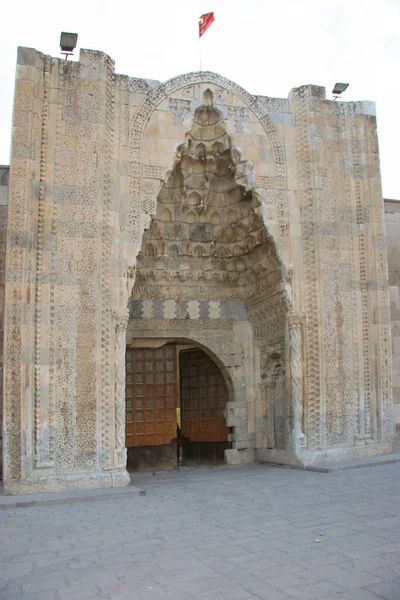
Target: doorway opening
176 400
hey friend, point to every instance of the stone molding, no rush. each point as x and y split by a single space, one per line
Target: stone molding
295 325
107 387
300 100
120 319
43 457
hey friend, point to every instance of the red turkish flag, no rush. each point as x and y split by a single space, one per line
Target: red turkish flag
205 22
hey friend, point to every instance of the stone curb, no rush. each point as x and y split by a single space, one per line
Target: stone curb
50 498
354 464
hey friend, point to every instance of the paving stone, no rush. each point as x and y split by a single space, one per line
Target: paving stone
14 591
246 557
326 572
82 595
389 590
229 551
257 565
262 590
355 580
351 595
189 574
314 591
286 581
125 595
192 538
210 595
231 592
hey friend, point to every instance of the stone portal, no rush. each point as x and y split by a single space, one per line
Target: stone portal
207 263
247 226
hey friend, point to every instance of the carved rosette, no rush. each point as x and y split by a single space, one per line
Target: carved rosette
120 319
295 325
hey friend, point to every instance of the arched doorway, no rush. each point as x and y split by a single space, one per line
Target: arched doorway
208 270
176 400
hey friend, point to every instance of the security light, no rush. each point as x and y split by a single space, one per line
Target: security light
68 43
340 88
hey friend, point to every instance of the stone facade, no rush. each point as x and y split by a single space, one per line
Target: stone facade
4 179
190 211
392 221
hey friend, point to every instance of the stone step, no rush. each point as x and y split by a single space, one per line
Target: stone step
49 498
354 464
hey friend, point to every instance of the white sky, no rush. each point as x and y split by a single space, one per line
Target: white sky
266 47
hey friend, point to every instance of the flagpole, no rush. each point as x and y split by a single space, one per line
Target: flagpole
204 23
200 51
199 43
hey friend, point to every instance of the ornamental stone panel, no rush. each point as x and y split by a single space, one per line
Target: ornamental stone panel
190 211
392 222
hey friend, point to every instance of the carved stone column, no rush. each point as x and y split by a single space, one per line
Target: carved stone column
270 388
295 324
42 410
266 389
121 322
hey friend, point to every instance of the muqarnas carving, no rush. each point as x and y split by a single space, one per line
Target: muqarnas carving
208 233
207 241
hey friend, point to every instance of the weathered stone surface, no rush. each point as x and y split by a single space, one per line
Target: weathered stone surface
392 222
4 179
250 226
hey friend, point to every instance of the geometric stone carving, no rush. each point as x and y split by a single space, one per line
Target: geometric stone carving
307 211
295 325
42 413
218 232
188 82
221 217
120 322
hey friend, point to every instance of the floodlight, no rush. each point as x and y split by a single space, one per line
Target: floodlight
340 88
68 43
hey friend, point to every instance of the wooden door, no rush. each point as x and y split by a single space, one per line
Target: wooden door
203 398
151 396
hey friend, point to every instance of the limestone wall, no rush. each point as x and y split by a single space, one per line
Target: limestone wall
93 153
4 179
348 231
392 221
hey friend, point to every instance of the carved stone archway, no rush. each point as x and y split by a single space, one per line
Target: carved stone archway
138 169
208 261
141 178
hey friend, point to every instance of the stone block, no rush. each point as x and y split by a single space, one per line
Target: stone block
26 56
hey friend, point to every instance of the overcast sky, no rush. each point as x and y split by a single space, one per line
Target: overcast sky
266 47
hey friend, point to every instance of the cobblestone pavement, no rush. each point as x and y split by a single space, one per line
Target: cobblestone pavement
228 533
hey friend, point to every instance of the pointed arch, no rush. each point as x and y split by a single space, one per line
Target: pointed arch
174 251
194 199
166 215
191 217
150 250
232 217
199 251
255 104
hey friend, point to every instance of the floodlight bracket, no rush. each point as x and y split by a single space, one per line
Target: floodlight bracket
338 89
68 43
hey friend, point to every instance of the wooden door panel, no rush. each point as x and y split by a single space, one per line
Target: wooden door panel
151 396
203 398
